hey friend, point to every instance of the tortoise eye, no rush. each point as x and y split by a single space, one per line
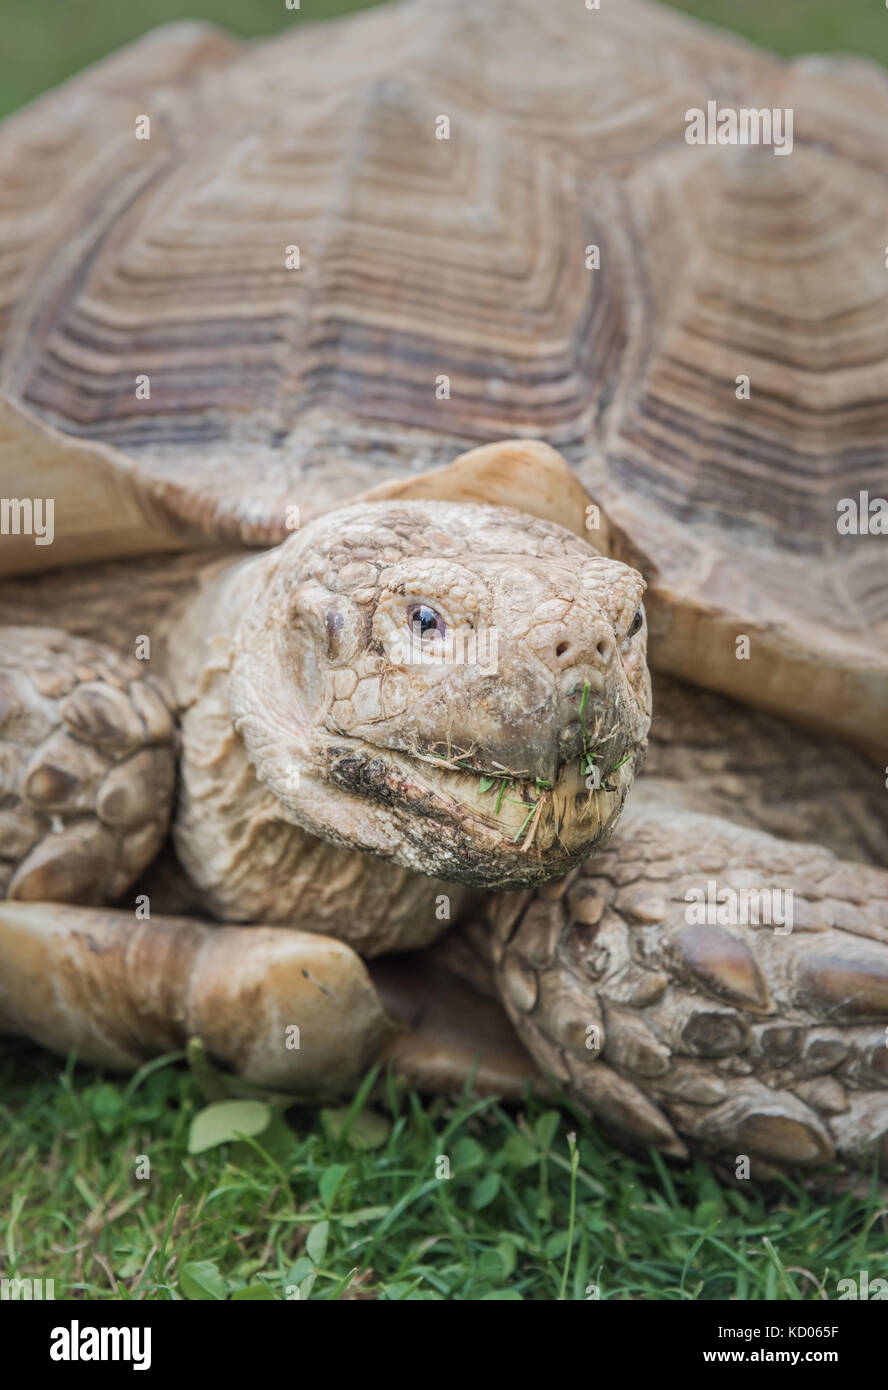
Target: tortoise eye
425 621
635 625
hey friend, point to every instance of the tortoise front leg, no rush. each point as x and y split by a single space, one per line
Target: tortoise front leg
288 1009
291 1010
765 1042
87 767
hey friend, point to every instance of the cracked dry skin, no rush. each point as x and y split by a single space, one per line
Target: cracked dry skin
314 705
724 1039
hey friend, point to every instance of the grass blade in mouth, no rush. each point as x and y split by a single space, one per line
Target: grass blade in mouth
587 757
538 810
531 813
532 819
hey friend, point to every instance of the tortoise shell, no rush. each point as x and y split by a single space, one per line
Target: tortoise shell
241 282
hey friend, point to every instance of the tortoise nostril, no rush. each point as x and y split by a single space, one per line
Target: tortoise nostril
603 648
562 648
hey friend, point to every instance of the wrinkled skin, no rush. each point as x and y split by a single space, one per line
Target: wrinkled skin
361 730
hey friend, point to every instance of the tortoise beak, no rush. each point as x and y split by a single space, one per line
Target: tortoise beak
572 742
549 747
558 729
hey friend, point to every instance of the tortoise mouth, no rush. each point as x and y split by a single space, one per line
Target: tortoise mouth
481 824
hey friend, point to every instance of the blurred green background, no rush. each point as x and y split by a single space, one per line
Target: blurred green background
44 41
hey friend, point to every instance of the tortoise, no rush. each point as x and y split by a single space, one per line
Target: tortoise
290 572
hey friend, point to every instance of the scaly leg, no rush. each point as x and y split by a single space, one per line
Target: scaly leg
722 1036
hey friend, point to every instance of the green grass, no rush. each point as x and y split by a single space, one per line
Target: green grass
802 26
300 1207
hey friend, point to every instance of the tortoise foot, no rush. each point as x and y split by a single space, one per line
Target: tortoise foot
86 751
705 987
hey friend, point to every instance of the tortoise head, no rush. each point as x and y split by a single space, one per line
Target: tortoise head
459 687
